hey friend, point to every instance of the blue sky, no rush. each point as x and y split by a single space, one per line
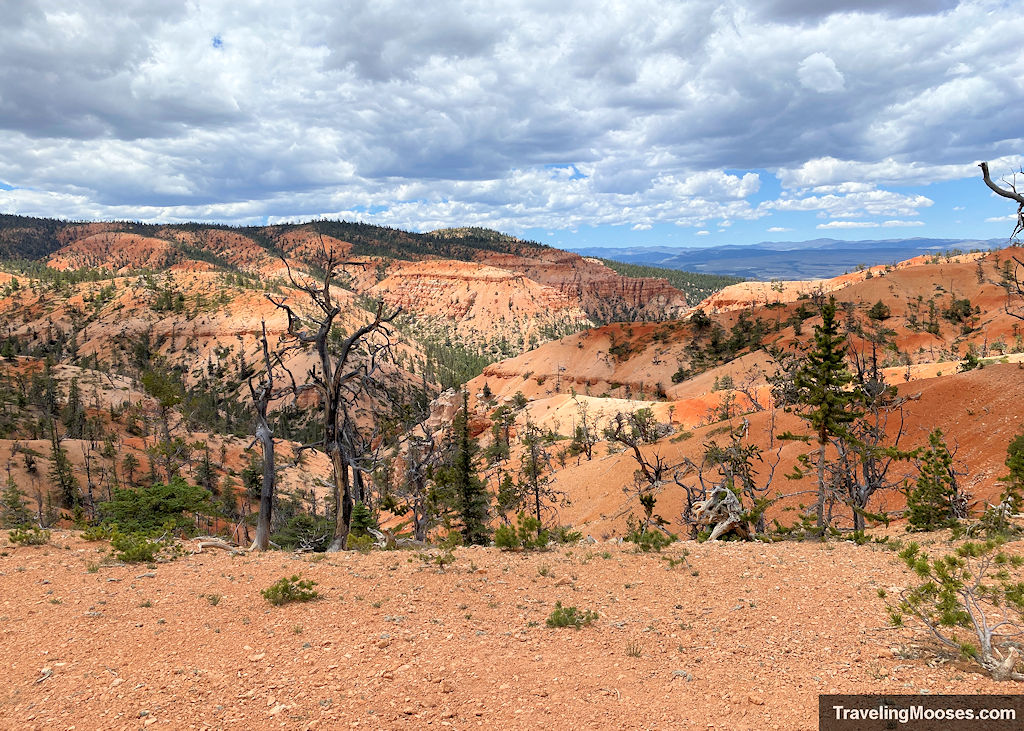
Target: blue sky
639 122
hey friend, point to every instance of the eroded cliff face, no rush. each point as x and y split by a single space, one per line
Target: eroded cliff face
477 304
602 292
114 251
504 302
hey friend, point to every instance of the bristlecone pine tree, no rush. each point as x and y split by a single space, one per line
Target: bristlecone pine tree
820 383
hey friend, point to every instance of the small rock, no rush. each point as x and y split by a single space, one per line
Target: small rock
756 700
563 582
682 674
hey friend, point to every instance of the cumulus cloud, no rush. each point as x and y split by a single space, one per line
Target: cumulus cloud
424 115
818 72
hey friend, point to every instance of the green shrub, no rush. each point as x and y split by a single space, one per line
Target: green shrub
150 509
362 543
565 534
527 535
290 589
30 537
134 547
971 600
646 539
305 532
570 617
98 532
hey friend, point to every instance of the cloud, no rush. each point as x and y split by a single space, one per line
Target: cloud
859 204
818 72
513 116
847 224
778 229
641 227
868 224
704 232
1000 219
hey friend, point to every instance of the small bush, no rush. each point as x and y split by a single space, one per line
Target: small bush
98 532
645 538
570 617
305 532
32 537
362 543
290 589
971 600
527 535
565 534
134 547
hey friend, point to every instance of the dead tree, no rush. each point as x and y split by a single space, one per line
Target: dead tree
867 454
339 375
730 468
1016 287
263 394
634 431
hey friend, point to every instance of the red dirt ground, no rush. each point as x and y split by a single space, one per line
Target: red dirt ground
743 637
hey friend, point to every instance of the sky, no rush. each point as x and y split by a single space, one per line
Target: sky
665 122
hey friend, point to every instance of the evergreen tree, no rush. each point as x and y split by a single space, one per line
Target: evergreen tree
129 464
62 474
820 383
930 503
462 481
73 413
13 513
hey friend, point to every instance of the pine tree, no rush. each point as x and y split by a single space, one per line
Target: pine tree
13 513
468 490
820 384
930 502
62 473
73 413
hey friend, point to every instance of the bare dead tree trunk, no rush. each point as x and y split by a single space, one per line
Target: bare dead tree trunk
340 376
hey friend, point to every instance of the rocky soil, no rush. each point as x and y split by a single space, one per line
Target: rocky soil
737 636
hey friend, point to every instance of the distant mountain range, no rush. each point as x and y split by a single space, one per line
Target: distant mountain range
787 259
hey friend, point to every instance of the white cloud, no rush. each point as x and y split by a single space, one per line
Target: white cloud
868 224
778 229
513 116
818 72
856 205
704 232
847 224
1000 219
641 227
